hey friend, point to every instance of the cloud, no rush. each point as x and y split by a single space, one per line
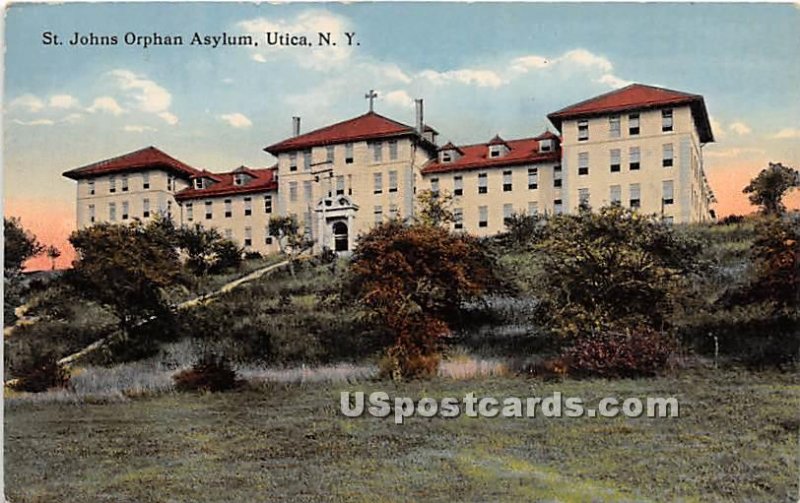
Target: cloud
227 80
532 62
138 129
63 101
72 118
37 122
169 118
613 81
468 76
398 98
734 152
29 102
740 128
145 94
717 128
237 120
106 104
787 134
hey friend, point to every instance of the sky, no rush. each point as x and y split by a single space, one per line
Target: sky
482 69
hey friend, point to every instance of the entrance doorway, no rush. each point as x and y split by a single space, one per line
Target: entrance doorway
340 238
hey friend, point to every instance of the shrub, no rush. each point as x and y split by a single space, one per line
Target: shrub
210 373
41 373
634 353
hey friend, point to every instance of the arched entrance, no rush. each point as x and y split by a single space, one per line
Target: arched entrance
340 238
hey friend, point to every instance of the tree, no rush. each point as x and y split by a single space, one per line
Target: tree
20 246
290 240
53 253
207 251
125 268
435 208
770 186
413 278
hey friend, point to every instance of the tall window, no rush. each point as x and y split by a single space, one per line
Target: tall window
483 216
435 187
508 210
340 185
248 236
613 126
307 194
392 181
125 208
307 160
124 183
145 180
634 158
533 178
377 185
228 233
557 176
267 237
329 152
583 130
268 204
378 213
636 194
507 186
189 212
615 194
633 124
112 183
667 189
666 120
558 206
458 185
145 208
228 208
170 183
583 163
377 152
112 212
91 187
293 161
583 198
209 210
348 153
393 150
393 211
666 160
248 206
483 181
458 218
91 213
616 160
533 208
292 191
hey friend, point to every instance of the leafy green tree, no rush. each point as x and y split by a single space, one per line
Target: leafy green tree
768 189
19 246
53 253
291 241
435 208
207 251
521 230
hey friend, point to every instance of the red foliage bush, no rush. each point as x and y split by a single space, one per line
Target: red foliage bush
210 373
634 353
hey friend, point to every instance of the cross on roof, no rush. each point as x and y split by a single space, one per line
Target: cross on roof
371 95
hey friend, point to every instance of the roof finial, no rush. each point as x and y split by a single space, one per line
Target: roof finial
371 95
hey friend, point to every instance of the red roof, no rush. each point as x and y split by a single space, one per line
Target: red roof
149 157
363 127
522 151
263 180
637 97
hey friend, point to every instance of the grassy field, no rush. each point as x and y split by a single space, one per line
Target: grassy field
736 440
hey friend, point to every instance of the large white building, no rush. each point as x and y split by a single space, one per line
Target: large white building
639 146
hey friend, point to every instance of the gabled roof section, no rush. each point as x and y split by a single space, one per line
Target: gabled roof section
264 180
207 174
497 141
638 97
522 151
363 127
451 146
146 158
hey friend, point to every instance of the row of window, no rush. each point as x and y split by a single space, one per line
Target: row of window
208 207
124 211
634 127
377 212
508 185
377 149
635 192
124 184
634 159
378 186
247 240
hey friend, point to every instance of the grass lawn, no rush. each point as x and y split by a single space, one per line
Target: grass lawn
736 440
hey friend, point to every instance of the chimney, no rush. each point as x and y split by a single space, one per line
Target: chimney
295 126
420 123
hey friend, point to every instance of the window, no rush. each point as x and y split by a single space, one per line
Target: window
667 189
91 187
507 186
348 153
293 161
349 185
228 208
613 126
91 213
239 179
558 206
267 204
615 194
393 150
508 210
557 176
248 206
435 187
145 208
392 181
228 234
483 216
169 210
377 152
145 180
616 160
248 236
209 210
583 130
634 158
189 212
533 178
668 220
533 208
636 195
482 183
340 185
393 211
545 145
666 120
666 160
198 183
307 191
112 212
583 163
125 210
446 156
377 185
583 198
378 212
458 185
307 160
458 218
170 183
494 151
267 237
633 124
125 183
329 153
112 183
292 191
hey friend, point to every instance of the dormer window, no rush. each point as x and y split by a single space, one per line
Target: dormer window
447 157
239 179
497 147
495 151
546 145
199 183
